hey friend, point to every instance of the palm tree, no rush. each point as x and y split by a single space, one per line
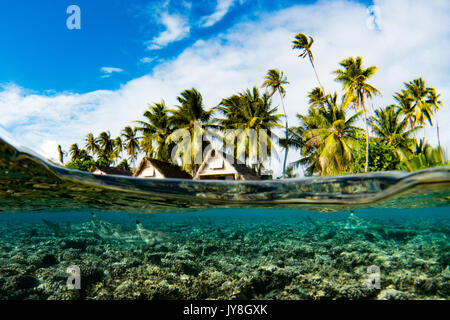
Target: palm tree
313 120
83 155
118 148
354 79
251 120
296 141
91 144
392 129
433 100
425 156
106 147
147 147
326 138
74 152
131 142
78 154
338 135
419 103
156 129
419 93
301 42
405 106
189 122
275 80
124 165
316 97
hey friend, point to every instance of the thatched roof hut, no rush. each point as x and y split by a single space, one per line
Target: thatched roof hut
96 169
220 166
157 169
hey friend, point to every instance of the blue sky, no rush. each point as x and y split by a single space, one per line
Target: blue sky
114 33
57 85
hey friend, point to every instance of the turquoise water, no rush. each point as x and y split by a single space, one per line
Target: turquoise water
146 239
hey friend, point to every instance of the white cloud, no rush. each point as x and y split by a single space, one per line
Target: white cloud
413 42
222 8
108 71
187 5
147 60
177 28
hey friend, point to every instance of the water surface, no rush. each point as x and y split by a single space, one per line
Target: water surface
311 238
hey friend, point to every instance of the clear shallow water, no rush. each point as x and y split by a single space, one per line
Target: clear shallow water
256 240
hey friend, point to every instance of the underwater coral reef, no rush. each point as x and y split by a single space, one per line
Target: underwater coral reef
287 255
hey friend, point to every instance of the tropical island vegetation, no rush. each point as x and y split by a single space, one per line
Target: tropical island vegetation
326 138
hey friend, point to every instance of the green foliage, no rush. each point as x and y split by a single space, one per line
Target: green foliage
155 131
382 157
247 111
86 165
391 128
131 142
290 173
124 165
191 118
425 156
327 138
421 161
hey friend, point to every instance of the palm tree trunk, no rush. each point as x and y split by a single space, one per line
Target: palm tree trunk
438 137
317 76
366 168
286 149
414 131
439 141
